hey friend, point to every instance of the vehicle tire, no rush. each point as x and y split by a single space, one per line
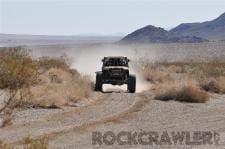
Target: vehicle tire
131 84
98 82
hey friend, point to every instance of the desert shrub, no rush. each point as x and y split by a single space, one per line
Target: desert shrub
211 86
17 69
154 74
200 72
22 99
7 117
7 120
40 143
28 143
5 146
53 94
182 92
46 82
209 69
53 62
214 85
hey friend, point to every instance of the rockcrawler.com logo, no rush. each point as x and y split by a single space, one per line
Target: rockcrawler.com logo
156 138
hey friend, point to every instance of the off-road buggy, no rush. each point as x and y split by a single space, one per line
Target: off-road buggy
115 71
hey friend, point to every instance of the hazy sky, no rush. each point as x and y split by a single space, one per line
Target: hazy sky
73 17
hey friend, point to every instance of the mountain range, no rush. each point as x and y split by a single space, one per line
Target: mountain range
152 34
185 33
211 30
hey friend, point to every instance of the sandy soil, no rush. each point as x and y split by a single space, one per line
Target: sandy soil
73 127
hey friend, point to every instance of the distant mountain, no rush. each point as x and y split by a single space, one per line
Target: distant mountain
211 30
16 40
152 34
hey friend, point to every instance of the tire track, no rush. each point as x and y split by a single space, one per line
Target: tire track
111 108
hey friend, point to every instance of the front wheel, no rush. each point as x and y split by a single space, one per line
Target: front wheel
98 82
131 84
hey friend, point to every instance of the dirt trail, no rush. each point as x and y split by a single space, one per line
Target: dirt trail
156 116
107 107
122 112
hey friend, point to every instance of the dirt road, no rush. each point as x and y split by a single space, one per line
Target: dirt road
156 116
72 127
104 108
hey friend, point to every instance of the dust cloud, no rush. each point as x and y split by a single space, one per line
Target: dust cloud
86 58
88 61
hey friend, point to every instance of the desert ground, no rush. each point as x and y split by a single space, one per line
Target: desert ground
180 88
